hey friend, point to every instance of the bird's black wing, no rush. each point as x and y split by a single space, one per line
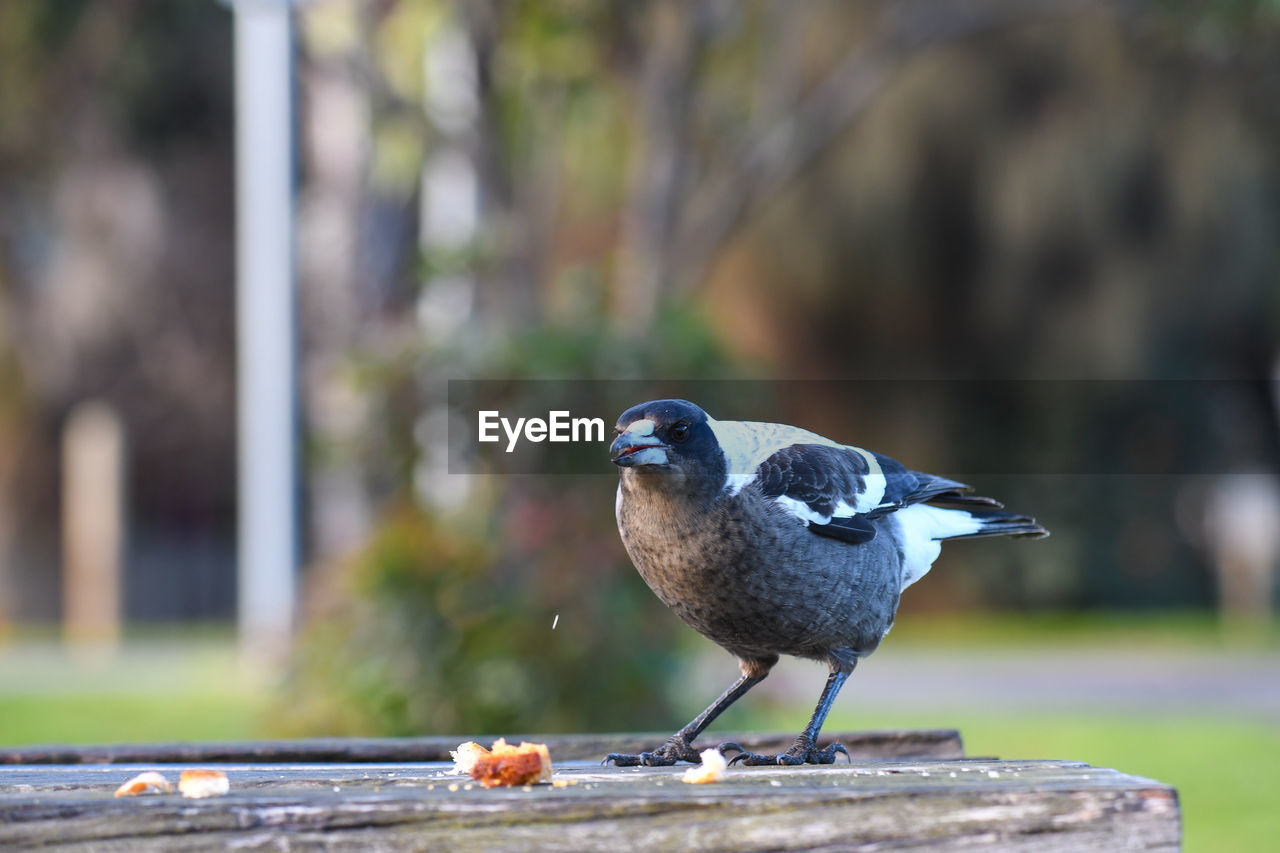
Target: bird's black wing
839 491
823 487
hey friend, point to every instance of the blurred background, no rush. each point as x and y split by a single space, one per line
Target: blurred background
1058 196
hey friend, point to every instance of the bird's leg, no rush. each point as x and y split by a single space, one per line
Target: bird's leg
804 751
679 747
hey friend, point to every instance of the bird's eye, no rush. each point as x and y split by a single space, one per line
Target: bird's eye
680 433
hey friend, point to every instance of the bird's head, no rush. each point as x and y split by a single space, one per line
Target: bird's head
671 437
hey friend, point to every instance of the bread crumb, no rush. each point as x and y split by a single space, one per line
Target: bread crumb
712 769
150 782
507 765
198 784
563 783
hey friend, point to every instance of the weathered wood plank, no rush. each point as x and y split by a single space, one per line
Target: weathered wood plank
862 745
928 804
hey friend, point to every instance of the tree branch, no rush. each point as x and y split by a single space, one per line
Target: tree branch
782 147
668 86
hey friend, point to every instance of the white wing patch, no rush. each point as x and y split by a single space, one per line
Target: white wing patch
922 527
802 511
875 482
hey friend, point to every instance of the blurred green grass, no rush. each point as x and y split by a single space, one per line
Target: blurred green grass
1132 630
1226 768
165 684
76 718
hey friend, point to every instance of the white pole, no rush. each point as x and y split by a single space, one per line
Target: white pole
265 328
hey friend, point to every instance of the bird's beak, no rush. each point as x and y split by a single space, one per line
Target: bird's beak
630 449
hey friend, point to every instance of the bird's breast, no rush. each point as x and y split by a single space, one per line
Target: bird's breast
682 555
753 579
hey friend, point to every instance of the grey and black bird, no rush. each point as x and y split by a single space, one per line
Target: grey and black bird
772 540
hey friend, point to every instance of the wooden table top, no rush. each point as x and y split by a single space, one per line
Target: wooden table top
935 801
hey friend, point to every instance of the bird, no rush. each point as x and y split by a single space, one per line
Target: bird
772 540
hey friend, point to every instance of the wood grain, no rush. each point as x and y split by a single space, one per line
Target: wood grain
933 804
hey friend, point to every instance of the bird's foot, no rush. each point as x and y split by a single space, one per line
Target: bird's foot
802 751
675 749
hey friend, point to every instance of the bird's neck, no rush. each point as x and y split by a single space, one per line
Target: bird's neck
668 494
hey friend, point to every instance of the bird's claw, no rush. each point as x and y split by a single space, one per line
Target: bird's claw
675 749
799 753
622 759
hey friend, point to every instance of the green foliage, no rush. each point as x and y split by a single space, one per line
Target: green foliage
432 629
680 344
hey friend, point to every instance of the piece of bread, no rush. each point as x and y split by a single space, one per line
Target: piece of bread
466 756
712 769
198 784
505 765
150 782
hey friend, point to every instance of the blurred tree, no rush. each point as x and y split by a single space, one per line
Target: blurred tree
115 277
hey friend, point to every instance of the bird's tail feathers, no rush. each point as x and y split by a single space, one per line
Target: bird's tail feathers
995 523
960 500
